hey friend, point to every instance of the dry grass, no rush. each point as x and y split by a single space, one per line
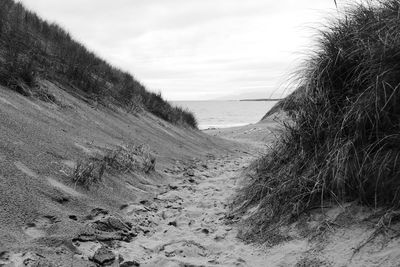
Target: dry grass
123 159
130 158
90 172
343 140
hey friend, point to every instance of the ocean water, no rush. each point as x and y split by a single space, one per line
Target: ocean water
223 114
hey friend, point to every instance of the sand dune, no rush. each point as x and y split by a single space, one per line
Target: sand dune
177 215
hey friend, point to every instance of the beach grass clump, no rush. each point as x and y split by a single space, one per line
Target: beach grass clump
88 173
342 141
123 159
131 158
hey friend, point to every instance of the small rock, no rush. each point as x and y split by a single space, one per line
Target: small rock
173 187
123 206
129 264
103 256
96 212
120 258
173 223
4 256
111 224
190 173
144 202
218 238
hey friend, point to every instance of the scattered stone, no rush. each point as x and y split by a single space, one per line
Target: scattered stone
73 217
177 206
103 256
123 206
106 229
129 264
4 255
33 260
144 202
173 187
120 258
143 229
111 224
219 238
96 212
173 223
189 172
191 180
205 231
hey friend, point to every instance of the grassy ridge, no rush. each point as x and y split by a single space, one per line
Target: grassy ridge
343 140
31 48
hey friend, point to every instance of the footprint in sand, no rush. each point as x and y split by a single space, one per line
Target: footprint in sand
38 228
185 249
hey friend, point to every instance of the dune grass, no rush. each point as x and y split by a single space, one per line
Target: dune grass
131 158
125 158
342 142
32 49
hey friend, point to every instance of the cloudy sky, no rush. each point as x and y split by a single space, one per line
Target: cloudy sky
196 49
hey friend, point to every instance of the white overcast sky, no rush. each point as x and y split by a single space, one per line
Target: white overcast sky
195 49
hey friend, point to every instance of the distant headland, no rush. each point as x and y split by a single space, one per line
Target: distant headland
262 99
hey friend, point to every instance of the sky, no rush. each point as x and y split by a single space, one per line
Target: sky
196 49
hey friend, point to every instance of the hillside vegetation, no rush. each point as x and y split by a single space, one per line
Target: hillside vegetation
342 142
32 49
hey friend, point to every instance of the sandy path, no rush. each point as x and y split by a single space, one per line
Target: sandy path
186 226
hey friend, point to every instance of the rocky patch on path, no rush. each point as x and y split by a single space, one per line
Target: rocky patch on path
103 256
101 226
183 225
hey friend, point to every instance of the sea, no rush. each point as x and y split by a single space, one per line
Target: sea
224 114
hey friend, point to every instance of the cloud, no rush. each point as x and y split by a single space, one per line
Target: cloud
191 48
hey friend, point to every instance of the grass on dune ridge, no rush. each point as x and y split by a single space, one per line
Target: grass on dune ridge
32 49
342 142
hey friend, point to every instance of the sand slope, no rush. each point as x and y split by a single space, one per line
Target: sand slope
177 215
40 143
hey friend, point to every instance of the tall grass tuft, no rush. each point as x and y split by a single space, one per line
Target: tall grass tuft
125 158
131 158
342 142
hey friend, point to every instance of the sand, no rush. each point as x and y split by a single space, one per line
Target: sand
177 215
187 223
